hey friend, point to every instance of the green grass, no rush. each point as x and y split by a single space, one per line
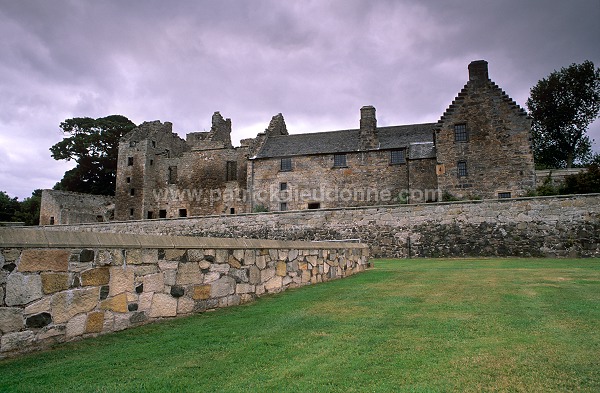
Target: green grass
406 325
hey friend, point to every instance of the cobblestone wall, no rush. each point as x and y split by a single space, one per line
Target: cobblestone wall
541 227
57 286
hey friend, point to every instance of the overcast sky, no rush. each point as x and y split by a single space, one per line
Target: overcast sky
315 61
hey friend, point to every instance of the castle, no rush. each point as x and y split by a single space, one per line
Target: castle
479 148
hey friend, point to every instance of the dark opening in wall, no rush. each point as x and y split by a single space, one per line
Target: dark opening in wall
100 218
150 215
51 220
232 211
182 212
129 161
162 214
314 205
131 211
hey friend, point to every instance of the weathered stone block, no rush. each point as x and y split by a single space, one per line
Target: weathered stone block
177 291
121 280
11 254
11 319
274 284
95 322
254 273
175 255
44 260
281 269
154 282
221 256
261 261
222 287
239 275
145 301
293 254
204 265
98 276
51 331
76 326
234 263
150 256
267 274
165 265
201 292
66 304
211 276
244 288
143 270
16 341
249 257
185 305
188 273
22 288
116 303
163 305
39 306
170 277
38 320
133 257
138 317
86 255
54 282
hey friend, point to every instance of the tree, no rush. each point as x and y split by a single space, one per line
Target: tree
94 145
8 207
562 107
29 209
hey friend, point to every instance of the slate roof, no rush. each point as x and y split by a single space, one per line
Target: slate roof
344 141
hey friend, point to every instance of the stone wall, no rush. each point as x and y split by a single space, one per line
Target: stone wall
60 286
64 207
541 227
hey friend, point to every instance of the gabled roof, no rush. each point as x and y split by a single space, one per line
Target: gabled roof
344 141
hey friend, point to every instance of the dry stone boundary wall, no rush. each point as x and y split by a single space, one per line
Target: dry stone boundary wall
525 227
61 286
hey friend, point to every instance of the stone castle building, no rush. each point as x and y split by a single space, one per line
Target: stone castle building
479 148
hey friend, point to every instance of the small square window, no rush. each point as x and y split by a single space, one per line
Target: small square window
162 214
504 195
286 164
150 215
182 212
397 157
131 143
314 205
282 186
129 161
460 133
51 220
339 160
462 168
283 206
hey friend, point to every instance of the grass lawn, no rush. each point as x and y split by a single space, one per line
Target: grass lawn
406 325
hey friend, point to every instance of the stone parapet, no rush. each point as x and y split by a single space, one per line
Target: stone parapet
61 286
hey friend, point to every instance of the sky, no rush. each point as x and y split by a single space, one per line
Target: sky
316 61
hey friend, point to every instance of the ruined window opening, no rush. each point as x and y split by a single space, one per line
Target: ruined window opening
129 161
462 168
397 157
151 162
131 143
282 186
131 211
162 214
172 174
51 220
460 133
286 164
314 205
128 180
150 215
283 206
232 211
339 160
154 144
182 212
231 173
132 192
503 195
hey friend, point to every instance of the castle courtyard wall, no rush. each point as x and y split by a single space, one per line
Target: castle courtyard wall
60 286
557 226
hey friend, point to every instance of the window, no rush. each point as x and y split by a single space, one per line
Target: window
172 174
99 219
502 195
182 212
128 180
151 162
232 210
131 211
150 215
132 192
154 144
282 186
231 171
162 214
462 168
131 143
460 133
286 164
129 161
339 160
283 206
397 157
51 220
314 205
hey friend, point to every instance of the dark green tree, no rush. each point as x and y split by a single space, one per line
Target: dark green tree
94 145
8 207
562 107
29 209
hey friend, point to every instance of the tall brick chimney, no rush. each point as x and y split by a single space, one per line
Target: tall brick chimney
478 71
368 128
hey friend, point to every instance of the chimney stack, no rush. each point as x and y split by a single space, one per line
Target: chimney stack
478 71
368 128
